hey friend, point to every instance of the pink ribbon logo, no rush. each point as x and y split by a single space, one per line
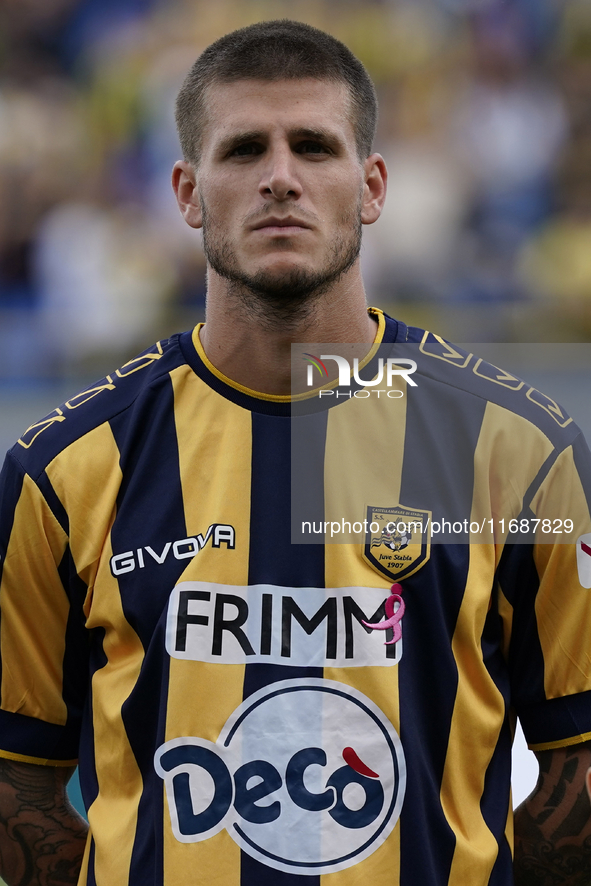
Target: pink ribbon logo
393 618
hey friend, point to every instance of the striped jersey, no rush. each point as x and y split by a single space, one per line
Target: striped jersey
250 706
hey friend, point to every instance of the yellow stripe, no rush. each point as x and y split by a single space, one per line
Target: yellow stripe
202 696
33 625
500 448
83 875
381 686
88 496
563 743
37 761
351 455
113 814
89 499
509 827
564 625
358 432
479 703
287 398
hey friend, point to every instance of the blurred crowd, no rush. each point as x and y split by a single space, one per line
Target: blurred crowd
485 125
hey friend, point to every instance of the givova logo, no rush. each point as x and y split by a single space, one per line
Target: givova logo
307 776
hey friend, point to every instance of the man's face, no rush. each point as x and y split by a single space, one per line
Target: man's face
280 186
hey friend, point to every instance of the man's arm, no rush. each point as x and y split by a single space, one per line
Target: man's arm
42 837
553 826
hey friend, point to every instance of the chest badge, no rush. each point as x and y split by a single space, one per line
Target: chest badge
398 540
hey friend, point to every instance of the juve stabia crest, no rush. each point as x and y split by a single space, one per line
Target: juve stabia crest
398 540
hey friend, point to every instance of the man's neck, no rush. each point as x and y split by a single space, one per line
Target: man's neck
258 355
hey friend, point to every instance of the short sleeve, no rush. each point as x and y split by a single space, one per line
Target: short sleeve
543 585
43 641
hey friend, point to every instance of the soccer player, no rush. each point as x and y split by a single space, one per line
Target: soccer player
248 711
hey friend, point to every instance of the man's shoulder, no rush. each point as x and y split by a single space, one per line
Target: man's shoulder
146 376
464 375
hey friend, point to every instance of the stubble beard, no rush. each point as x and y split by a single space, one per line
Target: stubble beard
281 300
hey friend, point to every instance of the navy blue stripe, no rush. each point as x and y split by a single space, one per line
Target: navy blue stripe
519 581
11 484
557 718
254 873
442 430
50 496
396 331
35 738
538 480
501 873
75 665
87 763
91 877
145 724
150 508
274 560
308 445
150 513
427 676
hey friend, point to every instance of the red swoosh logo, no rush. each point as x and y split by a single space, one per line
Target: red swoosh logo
585 548
352 760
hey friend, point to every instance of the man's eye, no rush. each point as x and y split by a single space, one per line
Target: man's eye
246 150
312 148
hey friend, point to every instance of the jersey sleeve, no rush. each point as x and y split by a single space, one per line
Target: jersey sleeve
43 642
545 590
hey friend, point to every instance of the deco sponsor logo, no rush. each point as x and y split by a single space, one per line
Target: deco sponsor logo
307 776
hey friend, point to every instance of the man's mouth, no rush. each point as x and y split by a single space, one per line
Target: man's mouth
285 226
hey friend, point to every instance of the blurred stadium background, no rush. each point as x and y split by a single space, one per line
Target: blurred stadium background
485 125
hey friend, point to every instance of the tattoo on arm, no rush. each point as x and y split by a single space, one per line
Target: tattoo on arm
42 837
553 826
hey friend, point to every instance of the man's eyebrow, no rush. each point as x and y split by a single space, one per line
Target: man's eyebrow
239 138
230 142
323 135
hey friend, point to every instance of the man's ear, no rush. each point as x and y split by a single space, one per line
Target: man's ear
374 189
184 185
588 782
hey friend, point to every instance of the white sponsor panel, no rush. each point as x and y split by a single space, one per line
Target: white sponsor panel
307 776
584 559
306 627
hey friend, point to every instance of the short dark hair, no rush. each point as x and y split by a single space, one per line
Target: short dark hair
275 50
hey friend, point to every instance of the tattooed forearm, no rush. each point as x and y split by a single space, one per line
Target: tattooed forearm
42 837
553 826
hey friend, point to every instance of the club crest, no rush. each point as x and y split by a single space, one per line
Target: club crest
397 541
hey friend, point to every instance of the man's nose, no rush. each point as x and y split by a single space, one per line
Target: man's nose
280 179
